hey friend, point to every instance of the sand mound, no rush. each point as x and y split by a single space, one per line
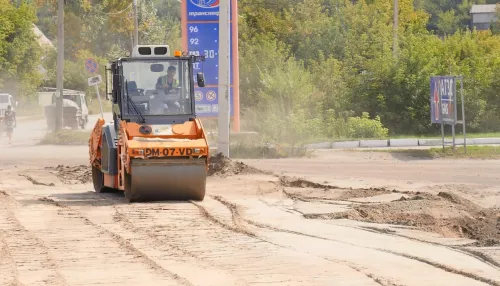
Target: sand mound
219 165
446 213
222 166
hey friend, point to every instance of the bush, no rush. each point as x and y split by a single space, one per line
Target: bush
349 127
364 127
296 129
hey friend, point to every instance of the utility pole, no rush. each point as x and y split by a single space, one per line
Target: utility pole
60 65
395 29
224 76
136 25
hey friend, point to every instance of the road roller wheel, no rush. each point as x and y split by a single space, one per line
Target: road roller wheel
128 188
130 195
98 180
165 180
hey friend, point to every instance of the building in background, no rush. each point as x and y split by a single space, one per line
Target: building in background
482 16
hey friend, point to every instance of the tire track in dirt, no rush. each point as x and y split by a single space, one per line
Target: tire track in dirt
166 253
102 211
236 228
239 221
371 192
85 253
125 245
232 248
389 232
477 255
187 232
20 247
8 271
436 265
378 278
446 268
285 181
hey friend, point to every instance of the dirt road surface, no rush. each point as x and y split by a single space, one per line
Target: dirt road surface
339 218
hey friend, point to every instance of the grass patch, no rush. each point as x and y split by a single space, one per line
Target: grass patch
473 152
66 137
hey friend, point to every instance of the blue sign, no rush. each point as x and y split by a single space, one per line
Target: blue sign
91 65
203 10
203 39
443 100
207 101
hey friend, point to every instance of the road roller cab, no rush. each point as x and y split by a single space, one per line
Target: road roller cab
156 148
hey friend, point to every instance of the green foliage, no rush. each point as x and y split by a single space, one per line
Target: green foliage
75 74
324 62
20 53
447 22
309 69
364 127
259 56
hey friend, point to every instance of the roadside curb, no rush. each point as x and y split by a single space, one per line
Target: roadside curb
405 142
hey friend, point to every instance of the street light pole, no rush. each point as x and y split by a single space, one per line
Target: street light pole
60 66
224 77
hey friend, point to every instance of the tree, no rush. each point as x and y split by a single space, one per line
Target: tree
20 53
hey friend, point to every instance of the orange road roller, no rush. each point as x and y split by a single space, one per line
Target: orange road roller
155 148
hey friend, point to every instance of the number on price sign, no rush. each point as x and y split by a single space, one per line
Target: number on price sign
210 54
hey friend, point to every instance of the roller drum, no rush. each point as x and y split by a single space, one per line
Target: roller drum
166 179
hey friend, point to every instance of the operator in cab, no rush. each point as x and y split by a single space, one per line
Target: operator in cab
168 81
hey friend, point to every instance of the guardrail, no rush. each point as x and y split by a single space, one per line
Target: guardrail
407 142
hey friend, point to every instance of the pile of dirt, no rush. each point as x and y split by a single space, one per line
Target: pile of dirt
306 190
361 193
301 183
222 166
219 165
445 213
71 175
